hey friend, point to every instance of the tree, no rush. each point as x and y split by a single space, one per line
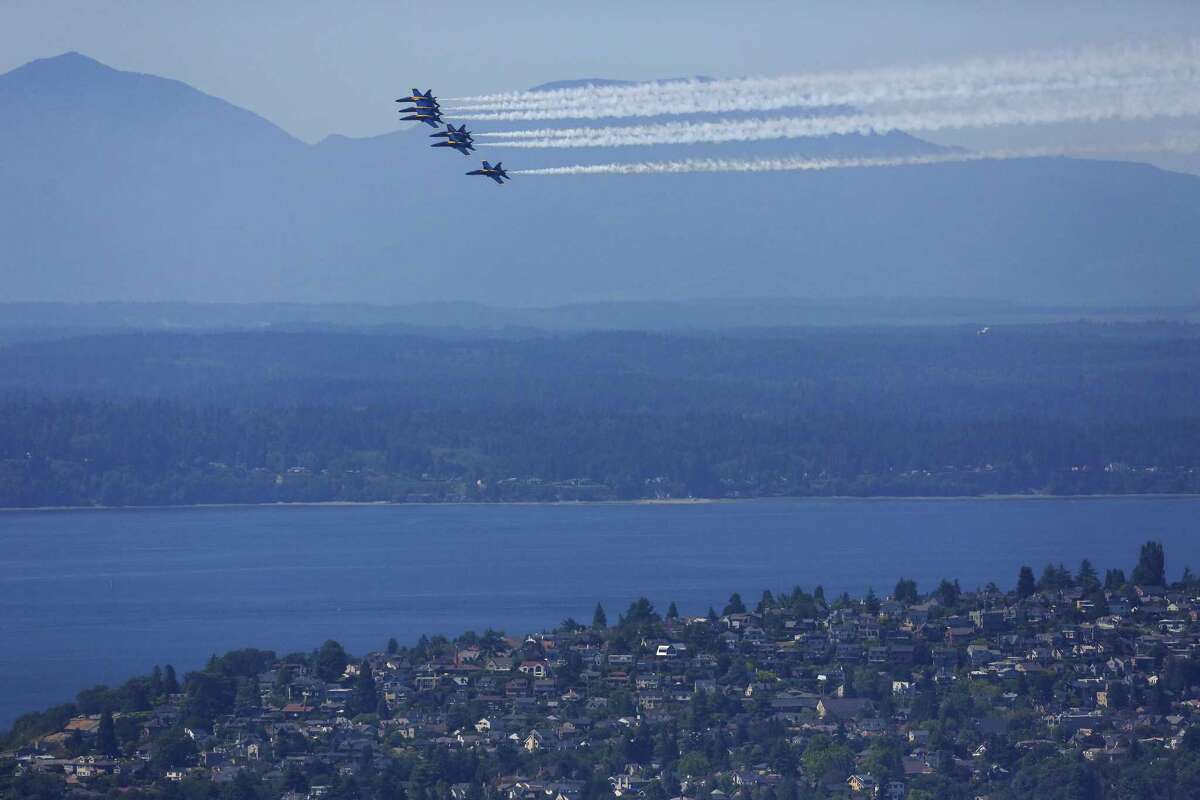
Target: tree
170 682
871 601
672 611
1118 696
825 758
331 662
599 618
294 780
694 764
906 591
363 698
382 710
948 593
492 642
247 698
640 613
393 646
767 601
735 605
1055 578
1151 566
106 735
1086 577
1026 585
172 749
209 695
1114 579
245 786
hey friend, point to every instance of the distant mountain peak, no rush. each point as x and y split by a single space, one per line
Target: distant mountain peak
83 88
66 63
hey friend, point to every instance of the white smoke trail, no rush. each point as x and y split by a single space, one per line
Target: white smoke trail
1168 102
1181 144
1141 65
758 165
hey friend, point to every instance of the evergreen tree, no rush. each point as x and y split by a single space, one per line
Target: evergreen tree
906 591
948 593
871 602
672 611
1114 579
363 698
393 646
382 710
1188 580
330 662
106 735
599 618
735 605
1151 566
1026 585
1087 578
247 698
767 601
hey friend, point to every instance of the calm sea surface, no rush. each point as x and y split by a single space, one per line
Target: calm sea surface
92 597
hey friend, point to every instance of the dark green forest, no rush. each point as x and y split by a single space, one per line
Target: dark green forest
244 417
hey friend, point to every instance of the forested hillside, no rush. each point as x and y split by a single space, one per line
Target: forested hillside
136 419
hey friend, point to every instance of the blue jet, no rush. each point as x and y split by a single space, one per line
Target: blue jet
465 148
496 173
452 133
426 100
459 140
430 116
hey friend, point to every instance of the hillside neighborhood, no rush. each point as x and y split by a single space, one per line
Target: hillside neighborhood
1073 685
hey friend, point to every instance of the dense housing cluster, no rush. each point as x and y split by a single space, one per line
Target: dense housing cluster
1074 685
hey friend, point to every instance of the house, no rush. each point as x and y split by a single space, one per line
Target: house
861 783
534 741
536 669
843 708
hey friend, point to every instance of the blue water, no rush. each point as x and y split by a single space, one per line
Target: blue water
92 597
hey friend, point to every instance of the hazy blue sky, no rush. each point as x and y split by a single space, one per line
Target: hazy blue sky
320 68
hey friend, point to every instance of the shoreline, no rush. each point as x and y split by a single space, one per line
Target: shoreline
679 501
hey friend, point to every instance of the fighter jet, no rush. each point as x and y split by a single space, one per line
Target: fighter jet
431 117
451 133
462 147
460 140
496 173
426 100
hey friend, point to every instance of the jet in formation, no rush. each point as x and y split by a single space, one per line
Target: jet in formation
430 116
459 139
424 108
417 99
496 173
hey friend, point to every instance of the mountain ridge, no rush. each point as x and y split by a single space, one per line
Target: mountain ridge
149 190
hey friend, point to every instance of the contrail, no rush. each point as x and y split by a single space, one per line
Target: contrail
1180 144
1142 65
1175 102
764 165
